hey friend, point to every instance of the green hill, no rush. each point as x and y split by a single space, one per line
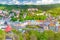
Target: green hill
41 7
53 9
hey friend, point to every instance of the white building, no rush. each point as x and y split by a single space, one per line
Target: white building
32 9
2 26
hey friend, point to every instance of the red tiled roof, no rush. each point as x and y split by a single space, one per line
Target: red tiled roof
58 26
8 28
40 20
51 24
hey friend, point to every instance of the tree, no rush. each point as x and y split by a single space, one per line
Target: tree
50 35
2 35
13 19
57 36
55 11
18 34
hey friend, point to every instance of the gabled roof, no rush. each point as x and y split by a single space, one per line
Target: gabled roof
39 20
51 24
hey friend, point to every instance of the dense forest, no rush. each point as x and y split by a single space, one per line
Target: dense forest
41 7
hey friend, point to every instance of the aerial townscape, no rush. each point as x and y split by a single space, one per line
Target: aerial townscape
30 22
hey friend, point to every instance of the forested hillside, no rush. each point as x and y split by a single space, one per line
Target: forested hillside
41 7
53 9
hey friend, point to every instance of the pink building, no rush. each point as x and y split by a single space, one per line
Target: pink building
0 11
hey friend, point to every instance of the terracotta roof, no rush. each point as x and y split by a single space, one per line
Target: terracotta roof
58 26
51 24
39 20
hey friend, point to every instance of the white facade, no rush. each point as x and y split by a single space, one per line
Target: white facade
2 22
2 27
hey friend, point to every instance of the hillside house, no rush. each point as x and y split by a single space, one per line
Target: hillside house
51 26
17 13
32 9
58 28
0 11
